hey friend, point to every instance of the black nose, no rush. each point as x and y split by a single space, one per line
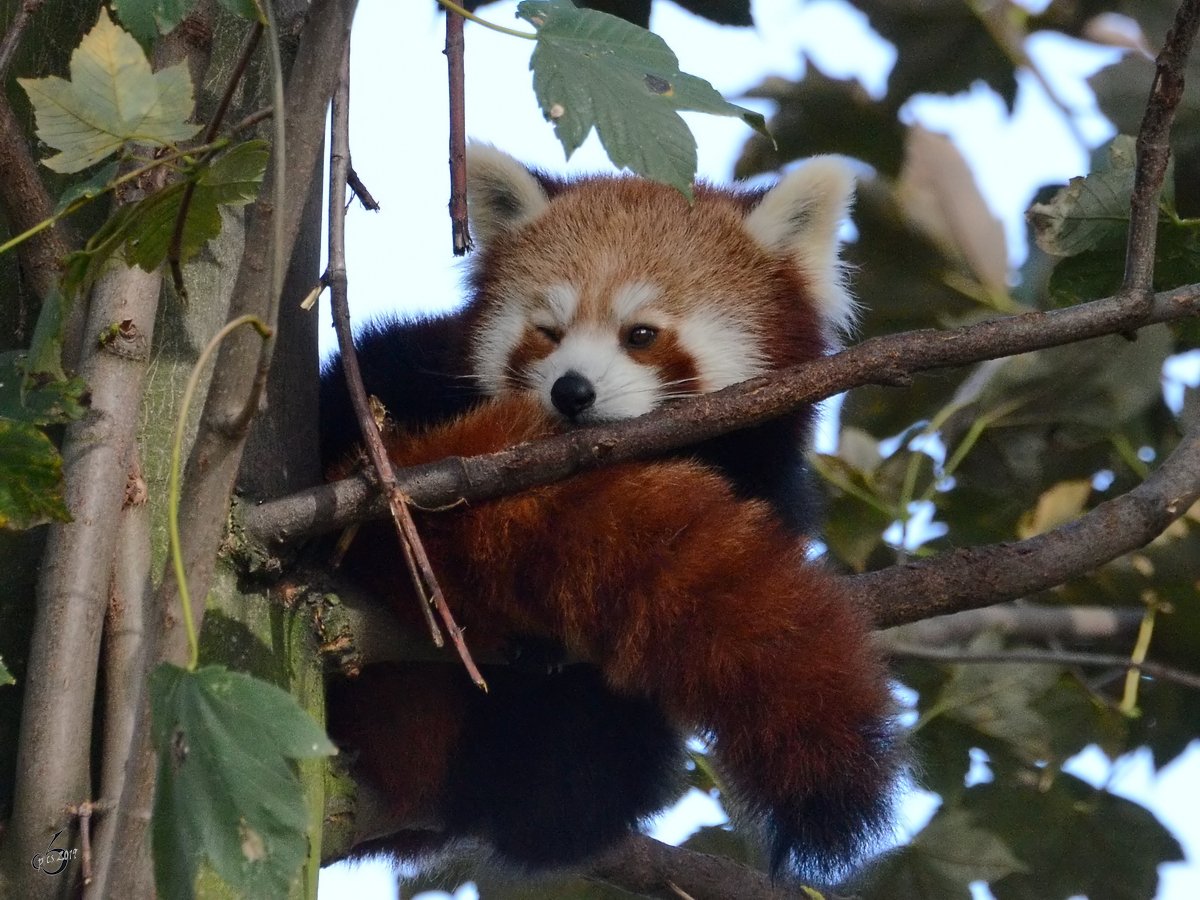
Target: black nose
572 394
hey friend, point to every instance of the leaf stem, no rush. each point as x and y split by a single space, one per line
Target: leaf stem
455 8
1137 661
173 482
127 177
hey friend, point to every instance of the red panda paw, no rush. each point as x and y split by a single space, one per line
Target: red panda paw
494 426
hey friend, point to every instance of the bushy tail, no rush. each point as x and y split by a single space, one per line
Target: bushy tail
703 602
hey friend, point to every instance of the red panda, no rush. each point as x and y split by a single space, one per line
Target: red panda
683 584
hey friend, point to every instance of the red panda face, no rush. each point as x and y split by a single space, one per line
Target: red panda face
607 296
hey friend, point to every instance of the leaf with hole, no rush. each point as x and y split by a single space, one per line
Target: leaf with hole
1092 209
591 69
112 98
226 790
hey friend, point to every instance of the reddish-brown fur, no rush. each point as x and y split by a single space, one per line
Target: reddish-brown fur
678 591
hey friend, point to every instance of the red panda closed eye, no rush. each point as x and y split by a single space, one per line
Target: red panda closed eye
683 584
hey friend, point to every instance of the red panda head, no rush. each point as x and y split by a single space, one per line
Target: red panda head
606 296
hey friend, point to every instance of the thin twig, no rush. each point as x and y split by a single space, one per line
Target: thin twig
1049 658
423 578
251 120
459 226
8 47
360 191
1153 152
84 812
174 248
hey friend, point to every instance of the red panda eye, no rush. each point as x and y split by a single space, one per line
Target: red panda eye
640 337
554 334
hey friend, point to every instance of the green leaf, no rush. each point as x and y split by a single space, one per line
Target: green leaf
820 114
1088 842
591 69
144 229
996 699
1091 209
30 477
225 788
147 19
37 399
93 187
5 675
942 861
233 180
45 348
945 46
112 97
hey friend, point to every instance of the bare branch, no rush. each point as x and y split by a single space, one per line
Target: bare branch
236 387
981 576
458 133
125 655
1153 152
1050 658
650 868
1028 621
12 37
239 372
884 360
360 191
25 202
53 754
425 585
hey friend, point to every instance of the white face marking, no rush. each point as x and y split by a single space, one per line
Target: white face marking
497 337
627 300
624 388
563 301
725 351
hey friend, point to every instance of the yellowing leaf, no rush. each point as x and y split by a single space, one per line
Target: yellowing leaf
1055 507
112 97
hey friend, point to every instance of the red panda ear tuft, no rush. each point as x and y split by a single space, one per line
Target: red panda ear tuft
800 218
501 192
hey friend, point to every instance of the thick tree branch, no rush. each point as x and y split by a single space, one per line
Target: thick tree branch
53 755
125 653
981 576
25 202
883 360
236 386
650 868
1153 152
1059 658
16 30
1025 621
238 376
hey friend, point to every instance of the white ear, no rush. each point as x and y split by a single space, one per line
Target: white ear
800 218
501 193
